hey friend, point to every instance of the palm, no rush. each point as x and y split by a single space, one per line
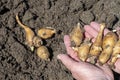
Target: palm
83 70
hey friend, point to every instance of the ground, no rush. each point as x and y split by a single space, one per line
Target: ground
18 62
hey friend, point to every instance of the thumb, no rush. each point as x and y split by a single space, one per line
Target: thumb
118 31
67 61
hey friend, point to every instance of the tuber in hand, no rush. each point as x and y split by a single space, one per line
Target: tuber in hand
83 50
76 35
109 42
115 54
96 47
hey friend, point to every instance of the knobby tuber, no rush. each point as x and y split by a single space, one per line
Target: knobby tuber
103 49
96 47
43 53
109 42
83 50
29 33
76 35
115 54
35 41
46 33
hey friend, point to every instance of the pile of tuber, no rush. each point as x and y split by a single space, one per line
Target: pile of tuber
35 41
105 48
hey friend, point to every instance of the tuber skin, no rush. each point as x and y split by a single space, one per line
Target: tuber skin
96 47
46 33
76 35
108 44
29 33
37 41
109 40
115 54
75 49
43 53
105 56
31 40
83 50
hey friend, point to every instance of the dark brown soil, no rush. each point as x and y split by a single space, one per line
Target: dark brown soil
17 62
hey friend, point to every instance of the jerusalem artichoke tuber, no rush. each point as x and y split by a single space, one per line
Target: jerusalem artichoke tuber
46 33
115 54
83 50
43 53
29 33
96 47
37 41
76 35
109 42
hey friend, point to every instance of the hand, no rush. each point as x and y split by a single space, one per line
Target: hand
91 32
83 70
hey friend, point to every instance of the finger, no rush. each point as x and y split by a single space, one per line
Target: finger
96 26
68 45
72 53
75 56
87 35
118 31
67 41
90 30
67 61
93 40
117 66
106 70
69 49
117 28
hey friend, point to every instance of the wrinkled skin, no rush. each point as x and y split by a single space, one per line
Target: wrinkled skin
83 70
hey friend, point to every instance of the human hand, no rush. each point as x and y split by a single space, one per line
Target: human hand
91 32
83 70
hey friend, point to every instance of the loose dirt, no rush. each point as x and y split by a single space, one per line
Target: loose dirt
17 62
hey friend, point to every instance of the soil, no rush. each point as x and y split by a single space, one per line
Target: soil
18 62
